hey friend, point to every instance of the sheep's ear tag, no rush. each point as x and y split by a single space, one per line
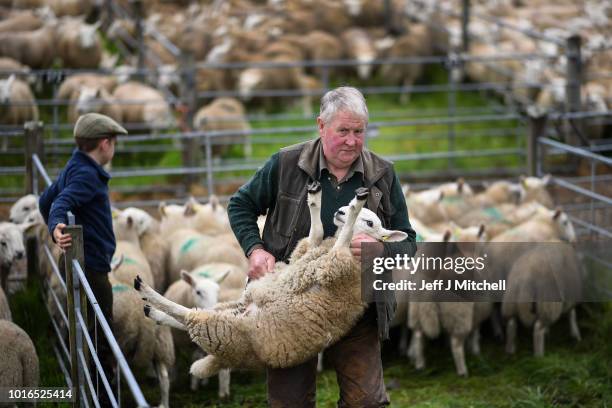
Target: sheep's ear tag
114 213
384 238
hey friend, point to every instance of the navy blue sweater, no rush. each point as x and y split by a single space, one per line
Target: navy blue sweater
82 187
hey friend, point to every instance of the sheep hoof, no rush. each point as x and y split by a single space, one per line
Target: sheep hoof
137 283
362 193
314 187
147 310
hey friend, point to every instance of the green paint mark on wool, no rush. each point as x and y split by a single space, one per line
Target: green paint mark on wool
188 245
204 273
494 213
419 238
452 199
120 288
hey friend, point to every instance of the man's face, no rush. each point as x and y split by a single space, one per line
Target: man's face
342 138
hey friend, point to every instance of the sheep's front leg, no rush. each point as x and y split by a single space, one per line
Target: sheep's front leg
315 235
459 355
475 341
418 349
355 206
162 318
539 332
224 382
164 384
574 329
511 336
176 311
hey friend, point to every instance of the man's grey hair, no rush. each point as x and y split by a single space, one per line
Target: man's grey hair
344 98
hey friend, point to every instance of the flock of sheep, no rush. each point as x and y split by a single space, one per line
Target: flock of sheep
287 31
191 256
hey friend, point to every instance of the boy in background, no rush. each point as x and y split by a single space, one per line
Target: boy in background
82 188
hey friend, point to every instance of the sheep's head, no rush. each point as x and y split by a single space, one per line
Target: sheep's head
456 188
506 192
124 227
88 35
142 220
563 224
469 234
205 289
5 89
89 100
250 79
11 243
368 223
535 183
23 207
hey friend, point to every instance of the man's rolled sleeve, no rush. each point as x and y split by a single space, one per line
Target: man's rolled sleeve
252 200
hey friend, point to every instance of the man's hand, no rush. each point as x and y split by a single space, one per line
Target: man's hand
62 240
260 263
356 245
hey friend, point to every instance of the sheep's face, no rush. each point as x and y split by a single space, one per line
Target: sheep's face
505 192
564 225
368 223
143 222
11 243
168 76
535 183
34 218
250 79
89 100
22 208
5 89
205 290
88 35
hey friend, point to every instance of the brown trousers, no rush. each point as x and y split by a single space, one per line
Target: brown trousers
356 359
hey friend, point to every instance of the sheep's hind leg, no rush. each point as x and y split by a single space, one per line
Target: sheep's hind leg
315 235
164 384
156 300
355 206
574 329
205 367
511 336
224 382
162 318
539 332
459 355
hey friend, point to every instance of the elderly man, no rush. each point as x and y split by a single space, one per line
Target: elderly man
339 162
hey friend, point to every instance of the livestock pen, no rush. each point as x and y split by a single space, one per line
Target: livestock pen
449 123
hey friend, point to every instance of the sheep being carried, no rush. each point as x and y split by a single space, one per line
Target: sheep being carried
291 314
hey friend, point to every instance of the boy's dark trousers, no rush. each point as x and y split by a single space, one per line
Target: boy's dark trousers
103 291
356 359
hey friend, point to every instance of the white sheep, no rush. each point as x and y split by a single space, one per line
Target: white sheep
225 114
152 244
19 362
93 99
540 276
359 46
11 248
17 104
22 208
321 285
203 288
37 49
142 104
429 318
140 339
535 190
78 43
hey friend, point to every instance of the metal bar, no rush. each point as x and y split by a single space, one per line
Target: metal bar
62 366
59 306
590 226
121 362
41 169
88 381
98 364
54 266
59 333
578 151
582 191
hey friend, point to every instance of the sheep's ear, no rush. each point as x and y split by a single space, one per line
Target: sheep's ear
162 209
189 209
115 212
130 221
523 180
441 196
214 202
447 236
460 183
222 277
547 179
187 278
557 214
394 236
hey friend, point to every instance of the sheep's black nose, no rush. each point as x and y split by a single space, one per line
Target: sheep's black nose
11 220
340 212
19 254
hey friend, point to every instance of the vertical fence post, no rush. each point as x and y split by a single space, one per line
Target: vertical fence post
75 251
33 132
573 87
536 128
191 146
465 22
137 9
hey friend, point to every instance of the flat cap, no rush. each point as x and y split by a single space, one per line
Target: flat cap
95 125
